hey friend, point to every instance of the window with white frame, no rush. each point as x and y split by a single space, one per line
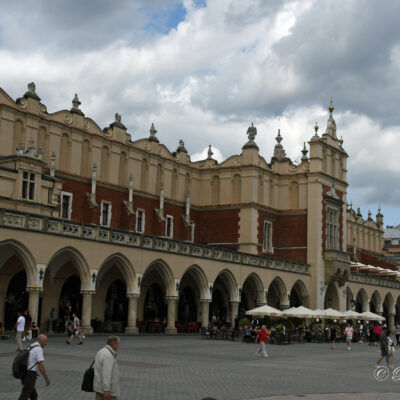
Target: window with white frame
105 217
28 185
169 226
66 205
267 245
140 220
332 228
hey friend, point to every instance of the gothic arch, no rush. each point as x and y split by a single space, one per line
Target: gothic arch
376 302
230 282
123 265
200 278
299 289
163 269
277 293
10 248
254 283
362 301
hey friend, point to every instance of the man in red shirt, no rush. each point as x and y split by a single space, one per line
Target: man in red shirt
262 338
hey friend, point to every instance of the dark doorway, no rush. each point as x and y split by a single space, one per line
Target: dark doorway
155 309
244 305
17 299
116 308
217 306
71 297
187 307
294 298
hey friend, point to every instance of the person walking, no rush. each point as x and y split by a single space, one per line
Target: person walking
106 371
262 338
51 320
398 334
20 328
35 364
75 330
349 331
383 342
333 336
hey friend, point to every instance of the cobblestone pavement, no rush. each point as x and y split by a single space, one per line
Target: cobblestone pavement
193 368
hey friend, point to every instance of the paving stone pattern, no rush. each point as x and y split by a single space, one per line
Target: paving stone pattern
193 368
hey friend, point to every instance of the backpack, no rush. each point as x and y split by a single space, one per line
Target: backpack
20 363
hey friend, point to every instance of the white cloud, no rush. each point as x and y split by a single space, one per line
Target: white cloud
224 66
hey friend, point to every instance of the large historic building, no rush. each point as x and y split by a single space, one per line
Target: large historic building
127 233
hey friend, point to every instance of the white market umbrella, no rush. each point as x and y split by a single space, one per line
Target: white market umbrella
350 314
319 313
368 315
265 311
334 314
298 312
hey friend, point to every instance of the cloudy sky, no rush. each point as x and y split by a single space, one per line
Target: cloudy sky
202 71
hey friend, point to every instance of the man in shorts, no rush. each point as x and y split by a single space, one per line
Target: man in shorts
383 342
35 364
349 331
75 330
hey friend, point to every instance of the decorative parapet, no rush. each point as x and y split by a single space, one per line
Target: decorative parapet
60 227
373 280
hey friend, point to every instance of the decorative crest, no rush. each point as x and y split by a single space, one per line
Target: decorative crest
153 132
181 147
75 106
304 151
32 92
209 153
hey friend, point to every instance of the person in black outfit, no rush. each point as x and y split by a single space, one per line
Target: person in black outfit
333 336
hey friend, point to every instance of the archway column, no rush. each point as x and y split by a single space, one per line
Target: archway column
87 296
132 314
172 302
205 312
234 312
34 293
2 307
390 321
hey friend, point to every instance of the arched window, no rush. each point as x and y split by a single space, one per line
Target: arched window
104 163
215 190
144 173
43 143
19 135
236 188
294 195
122 169
85 158
64 152
260 190
159 178
174 182
188 181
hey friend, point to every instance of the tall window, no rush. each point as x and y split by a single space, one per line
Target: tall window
28 185
66 205
267 245
140 220
332 228
169 226
215 190
105 217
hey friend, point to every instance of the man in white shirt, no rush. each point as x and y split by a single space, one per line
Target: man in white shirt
19 327
35 364
75 330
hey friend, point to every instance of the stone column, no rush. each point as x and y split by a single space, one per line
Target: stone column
205 311
390 322
87 312
34 293
234 312
132 314
171 329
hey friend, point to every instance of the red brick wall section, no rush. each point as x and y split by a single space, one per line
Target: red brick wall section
217 226
369 259
120 219
287 231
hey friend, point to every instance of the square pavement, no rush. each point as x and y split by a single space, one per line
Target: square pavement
192 368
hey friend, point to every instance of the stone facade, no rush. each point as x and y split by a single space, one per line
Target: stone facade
138 233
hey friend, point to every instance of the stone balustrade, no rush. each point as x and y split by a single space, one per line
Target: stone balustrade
56 226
